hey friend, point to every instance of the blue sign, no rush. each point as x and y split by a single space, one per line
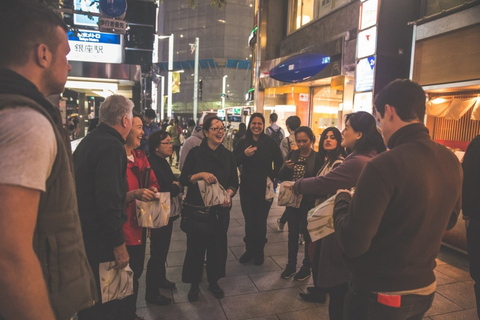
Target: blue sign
95 37
365 74
300 67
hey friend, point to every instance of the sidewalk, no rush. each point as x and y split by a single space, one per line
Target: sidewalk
258 292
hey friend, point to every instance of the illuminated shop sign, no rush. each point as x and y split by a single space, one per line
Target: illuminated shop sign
365 74
87 6
92 46
366 42
363 102
368 14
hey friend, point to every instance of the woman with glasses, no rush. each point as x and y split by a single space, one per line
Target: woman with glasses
207 227
301 163
260 157
160 147
362 138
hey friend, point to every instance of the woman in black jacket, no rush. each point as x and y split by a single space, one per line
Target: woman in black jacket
301 163
160 146
260 157
206 227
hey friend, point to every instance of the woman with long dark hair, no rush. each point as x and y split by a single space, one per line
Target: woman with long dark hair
242 129
362 137
301 163
260 157
160 147
207 226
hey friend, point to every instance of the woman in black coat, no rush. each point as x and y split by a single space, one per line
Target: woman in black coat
207 227
260 157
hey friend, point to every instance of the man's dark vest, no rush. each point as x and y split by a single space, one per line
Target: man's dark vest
58 240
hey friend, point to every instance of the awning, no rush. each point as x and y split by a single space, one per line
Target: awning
453 107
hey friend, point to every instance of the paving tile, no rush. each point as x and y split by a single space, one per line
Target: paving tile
266 318
442 305
178 245
263 304
237 285
470 314
461 293
443 279
266 281
454 272
234 268
175 259
308 314
200 310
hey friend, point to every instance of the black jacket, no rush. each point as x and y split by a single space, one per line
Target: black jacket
265 162
471 180
219 162
164 174
100 165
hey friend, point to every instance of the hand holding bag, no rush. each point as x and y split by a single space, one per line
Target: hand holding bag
286 196
320 219
212 194
115 284
154 214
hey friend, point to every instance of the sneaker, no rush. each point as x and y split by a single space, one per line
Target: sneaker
193 294
246 257
259 259
280 225
300 239
302 274
288 272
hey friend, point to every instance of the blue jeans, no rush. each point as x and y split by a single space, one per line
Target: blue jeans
364 306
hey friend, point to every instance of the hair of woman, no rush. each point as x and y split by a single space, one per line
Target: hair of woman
371 139
242 128
207 124
307 131
338 152
155 138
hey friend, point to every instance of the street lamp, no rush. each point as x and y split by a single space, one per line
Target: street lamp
170 68
223 90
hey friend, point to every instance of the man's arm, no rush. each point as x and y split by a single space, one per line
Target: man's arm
23 294
356 226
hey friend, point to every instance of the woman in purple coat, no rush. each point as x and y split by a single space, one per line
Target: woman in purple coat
362 138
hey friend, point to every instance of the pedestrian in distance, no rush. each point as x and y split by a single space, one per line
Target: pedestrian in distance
44 269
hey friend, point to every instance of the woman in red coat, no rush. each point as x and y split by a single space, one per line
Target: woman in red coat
138 189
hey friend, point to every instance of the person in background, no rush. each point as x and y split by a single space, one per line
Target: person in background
362 137
301 163
160 144
242 129
175 131
100 165
37 188
274 131
149 126
207 226
391 229
471 211
194 140
288 144
332 155
190 128
138 189
260 157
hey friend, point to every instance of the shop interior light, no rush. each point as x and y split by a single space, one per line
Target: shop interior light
438 100
100 86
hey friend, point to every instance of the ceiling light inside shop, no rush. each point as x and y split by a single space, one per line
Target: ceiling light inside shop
100 86
221 21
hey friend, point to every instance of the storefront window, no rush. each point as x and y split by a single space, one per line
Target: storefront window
326 105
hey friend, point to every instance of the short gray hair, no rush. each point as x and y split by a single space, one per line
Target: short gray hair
114 108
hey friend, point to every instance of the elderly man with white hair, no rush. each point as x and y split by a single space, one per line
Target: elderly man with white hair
100 169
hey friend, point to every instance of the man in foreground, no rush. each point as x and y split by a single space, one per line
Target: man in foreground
44 272
405 200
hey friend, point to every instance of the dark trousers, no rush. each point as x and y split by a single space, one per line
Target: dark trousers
214 242
137 261
364 306
159 245
473 242
176 150
297 223
337 298
112 310
255 210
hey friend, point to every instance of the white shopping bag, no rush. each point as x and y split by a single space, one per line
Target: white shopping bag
320 219
286 197
154 214
176 205
212 194
269 192
115 284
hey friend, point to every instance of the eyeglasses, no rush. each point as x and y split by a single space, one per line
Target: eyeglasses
170 143
218 129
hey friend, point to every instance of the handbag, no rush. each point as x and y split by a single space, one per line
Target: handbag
176 205
320 220
196 220
286 197
269 192
115 284
154 214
